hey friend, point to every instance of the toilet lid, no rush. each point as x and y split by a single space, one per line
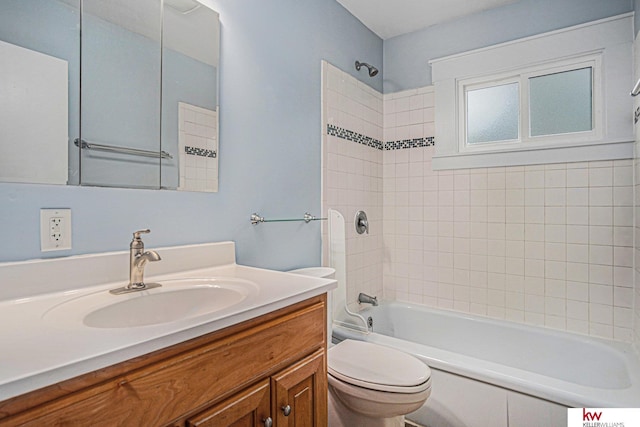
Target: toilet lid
377 367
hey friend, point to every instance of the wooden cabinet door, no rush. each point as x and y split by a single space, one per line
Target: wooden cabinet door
249 408
299 393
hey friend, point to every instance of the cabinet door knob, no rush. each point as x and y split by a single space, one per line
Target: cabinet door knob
268 422
286 410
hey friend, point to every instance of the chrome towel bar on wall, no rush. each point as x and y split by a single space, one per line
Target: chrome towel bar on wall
122 150
256 219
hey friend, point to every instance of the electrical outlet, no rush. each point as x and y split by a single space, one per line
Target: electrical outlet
55 229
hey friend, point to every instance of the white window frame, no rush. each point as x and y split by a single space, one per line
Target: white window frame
484 83
594 62
525 140
604 45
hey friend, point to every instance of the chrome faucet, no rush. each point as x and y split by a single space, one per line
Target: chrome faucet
364 298
138 259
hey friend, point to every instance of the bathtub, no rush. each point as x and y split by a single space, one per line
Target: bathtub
566 369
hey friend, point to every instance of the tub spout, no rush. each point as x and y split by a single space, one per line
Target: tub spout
367 299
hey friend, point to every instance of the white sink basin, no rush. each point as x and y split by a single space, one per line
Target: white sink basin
175 300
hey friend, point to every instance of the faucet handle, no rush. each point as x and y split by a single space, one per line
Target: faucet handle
137 244
136 234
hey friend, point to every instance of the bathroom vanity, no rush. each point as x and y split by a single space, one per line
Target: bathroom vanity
261 362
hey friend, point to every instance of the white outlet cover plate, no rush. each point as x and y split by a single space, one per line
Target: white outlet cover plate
47 244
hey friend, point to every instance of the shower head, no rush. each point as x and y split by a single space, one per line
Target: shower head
372 70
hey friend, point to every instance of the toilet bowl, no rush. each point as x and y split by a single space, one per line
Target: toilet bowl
374 386
369 385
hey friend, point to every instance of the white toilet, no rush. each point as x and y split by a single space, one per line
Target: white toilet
369 385
374 386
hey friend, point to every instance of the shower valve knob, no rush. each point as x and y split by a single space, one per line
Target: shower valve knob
362 223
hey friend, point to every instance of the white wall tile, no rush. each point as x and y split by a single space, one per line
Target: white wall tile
534 179
577 253
577 215
555 197
623 176
577 177
578 196
577 234
549 245
600 196
534 197
577 291
601 177
577 310
623 196
623 216
601 215
555 178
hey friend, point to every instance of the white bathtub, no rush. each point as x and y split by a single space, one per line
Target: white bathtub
567 369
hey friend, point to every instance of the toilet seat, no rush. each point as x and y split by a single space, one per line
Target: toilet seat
376 367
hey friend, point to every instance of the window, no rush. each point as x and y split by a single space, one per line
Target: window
538 106
561 96
492 113
561 102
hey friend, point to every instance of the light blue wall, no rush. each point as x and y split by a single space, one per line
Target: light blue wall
406 57
269 148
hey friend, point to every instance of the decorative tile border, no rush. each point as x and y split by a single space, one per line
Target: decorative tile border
410 143
374 143
200 152
354 136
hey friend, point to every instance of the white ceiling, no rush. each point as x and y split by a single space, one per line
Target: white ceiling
390 18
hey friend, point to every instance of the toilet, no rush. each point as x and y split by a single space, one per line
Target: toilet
374 386
371 385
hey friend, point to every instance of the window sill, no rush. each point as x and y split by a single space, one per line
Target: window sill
614 150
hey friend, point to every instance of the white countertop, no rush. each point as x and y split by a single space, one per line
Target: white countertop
36 353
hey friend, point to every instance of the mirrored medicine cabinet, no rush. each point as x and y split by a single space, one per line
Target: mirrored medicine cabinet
110 93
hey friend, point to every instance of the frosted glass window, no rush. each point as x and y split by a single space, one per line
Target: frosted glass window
493 114
561 102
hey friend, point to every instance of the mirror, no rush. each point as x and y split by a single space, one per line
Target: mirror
147 114
39 90
190 96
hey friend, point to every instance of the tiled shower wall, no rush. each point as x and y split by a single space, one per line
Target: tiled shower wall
548 245
352 173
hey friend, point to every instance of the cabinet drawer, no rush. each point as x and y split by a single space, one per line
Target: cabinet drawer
169 389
